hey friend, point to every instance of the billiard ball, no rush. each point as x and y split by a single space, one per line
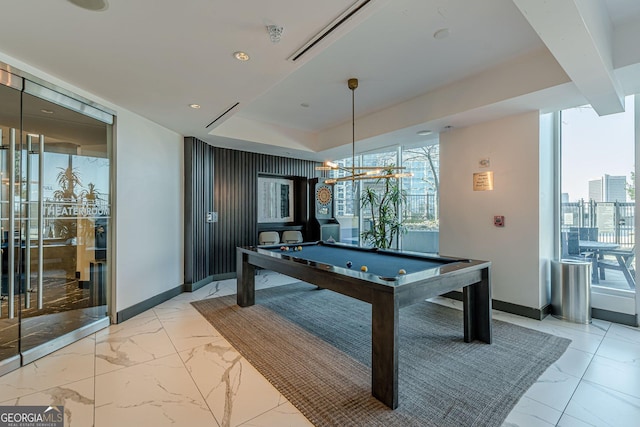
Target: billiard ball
282 248
364 268
402 271
349 264
299 248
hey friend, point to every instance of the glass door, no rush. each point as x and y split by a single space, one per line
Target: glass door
65 210
10 296
55 215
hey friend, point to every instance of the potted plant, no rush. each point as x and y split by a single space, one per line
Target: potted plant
383 200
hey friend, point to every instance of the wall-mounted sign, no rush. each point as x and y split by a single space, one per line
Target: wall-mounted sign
483 181
73 209
605 215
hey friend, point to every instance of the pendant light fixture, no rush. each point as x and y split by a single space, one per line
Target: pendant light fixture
360 172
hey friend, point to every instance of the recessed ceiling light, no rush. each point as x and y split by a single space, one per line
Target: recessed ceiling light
46 111
194 106
241 56
93 5
442 33
424 132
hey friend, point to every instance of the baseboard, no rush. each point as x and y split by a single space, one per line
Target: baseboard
507 307
520 310
612 316
190 287
145 305
224 276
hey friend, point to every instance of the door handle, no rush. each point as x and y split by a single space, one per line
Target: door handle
11 241
40 220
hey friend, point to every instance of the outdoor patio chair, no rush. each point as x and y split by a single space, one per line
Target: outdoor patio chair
571 247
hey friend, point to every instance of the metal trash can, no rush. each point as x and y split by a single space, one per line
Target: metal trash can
571 290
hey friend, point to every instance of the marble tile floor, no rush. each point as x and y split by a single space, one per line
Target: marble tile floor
169 366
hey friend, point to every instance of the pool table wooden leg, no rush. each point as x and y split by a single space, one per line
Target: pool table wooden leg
476 299
246 281
384 345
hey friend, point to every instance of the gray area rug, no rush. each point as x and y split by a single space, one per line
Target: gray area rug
314 346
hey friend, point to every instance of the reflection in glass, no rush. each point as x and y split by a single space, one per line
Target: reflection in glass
74 197
10 293
55 213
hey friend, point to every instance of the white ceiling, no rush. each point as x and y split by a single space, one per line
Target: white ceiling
155 57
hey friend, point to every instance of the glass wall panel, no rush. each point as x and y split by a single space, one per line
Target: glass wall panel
54 218
419 214
598 194
347 211
370 214
66 210
10 296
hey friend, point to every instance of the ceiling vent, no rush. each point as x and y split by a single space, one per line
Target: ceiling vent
227 111
330 29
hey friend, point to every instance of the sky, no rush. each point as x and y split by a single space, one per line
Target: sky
593 146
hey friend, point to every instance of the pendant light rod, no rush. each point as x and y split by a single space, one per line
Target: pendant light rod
353 85
373 172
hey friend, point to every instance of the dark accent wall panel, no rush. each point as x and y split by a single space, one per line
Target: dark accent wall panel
225 181
199 234
235 198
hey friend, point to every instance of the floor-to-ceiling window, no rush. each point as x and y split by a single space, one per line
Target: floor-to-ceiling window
419 211
597 218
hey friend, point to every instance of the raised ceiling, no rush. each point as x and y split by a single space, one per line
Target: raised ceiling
155 57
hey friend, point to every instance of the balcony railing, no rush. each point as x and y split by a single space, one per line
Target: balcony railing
614 220
420 208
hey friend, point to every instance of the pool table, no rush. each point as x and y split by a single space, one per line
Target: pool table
325 265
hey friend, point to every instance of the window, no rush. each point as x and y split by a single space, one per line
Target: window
598 194
419 213
421 210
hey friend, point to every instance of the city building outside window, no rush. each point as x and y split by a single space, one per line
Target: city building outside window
598 194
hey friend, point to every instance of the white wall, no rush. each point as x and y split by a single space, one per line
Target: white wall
547 203
149 209
466 216
148 203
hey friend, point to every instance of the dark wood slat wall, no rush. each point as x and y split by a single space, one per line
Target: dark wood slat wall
199 235
236 200
225 181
